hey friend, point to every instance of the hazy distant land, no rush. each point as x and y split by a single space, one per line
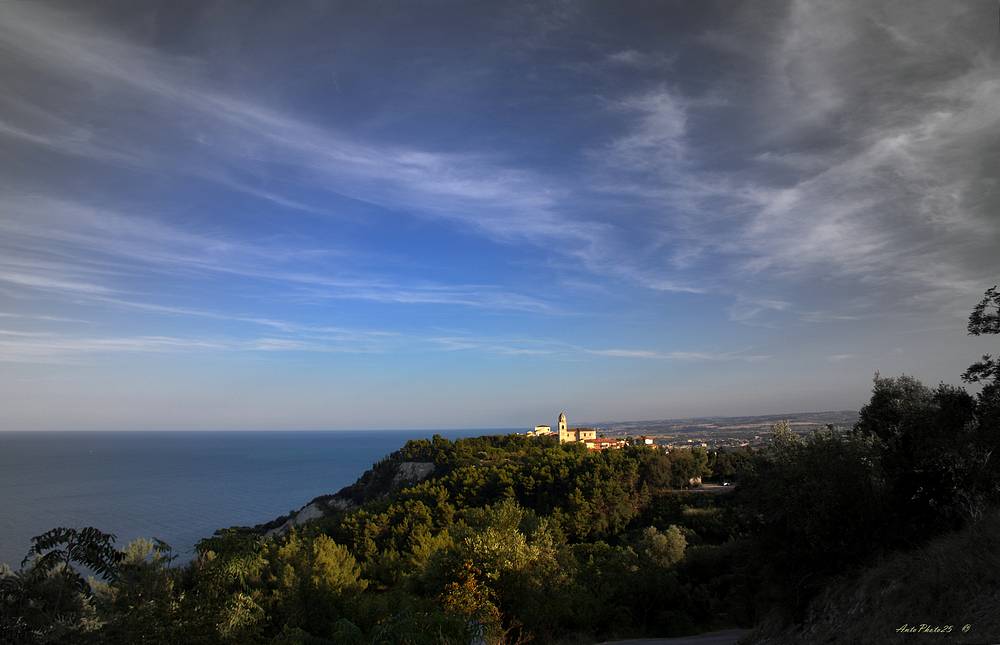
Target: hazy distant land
725 430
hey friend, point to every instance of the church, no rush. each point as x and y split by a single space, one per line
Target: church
566 435
587 436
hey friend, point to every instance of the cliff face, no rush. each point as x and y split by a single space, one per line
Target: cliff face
384 479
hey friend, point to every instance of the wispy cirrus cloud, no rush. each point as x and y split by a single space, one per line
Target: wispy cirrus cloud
741 355
47 348
43 318
499 345
520 346
826 317
48 283
749 309
67 345
788 180
26 348
898 201
63 346
48 240
860 210
864 168
641 60
475 190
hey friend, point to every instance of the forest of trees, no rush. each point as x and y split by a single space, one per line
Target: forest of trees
515 540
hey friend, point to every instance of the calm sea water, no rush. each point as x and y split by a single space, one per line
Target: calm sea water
180 486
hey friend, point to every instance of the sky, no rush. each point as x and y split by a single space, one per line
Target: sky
320 215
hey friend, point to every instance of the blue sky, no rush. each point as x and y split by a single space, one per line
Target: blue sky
352 215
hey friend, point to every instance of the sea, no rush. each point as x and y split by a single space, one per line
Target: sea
179 487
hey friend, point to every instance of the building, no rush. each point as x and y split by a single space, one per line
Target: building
563 432
574 435
604 443
540 431
568 435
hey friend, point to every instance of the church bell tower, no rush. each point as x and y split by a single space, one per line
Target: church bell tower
564 434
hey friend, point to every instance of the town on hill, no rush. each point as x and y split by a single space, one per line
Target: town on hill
708 432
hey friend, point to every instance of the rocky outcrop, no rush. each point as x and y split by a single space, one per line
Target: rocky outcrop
411 472
384 479
312 511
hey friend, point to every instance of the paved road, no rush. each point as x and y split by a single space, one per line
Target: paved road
727 637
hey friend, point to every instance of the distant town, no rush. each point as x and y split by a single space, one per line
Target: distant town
706 432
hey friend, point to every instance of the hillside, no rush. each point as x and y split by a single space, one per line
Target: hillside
951 583
511 539
383 479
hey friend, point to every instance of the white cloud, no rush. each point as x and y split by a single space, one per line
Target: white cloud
501 201
53 348
873 123
79 238
679 356
747 308
47 283
646 61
